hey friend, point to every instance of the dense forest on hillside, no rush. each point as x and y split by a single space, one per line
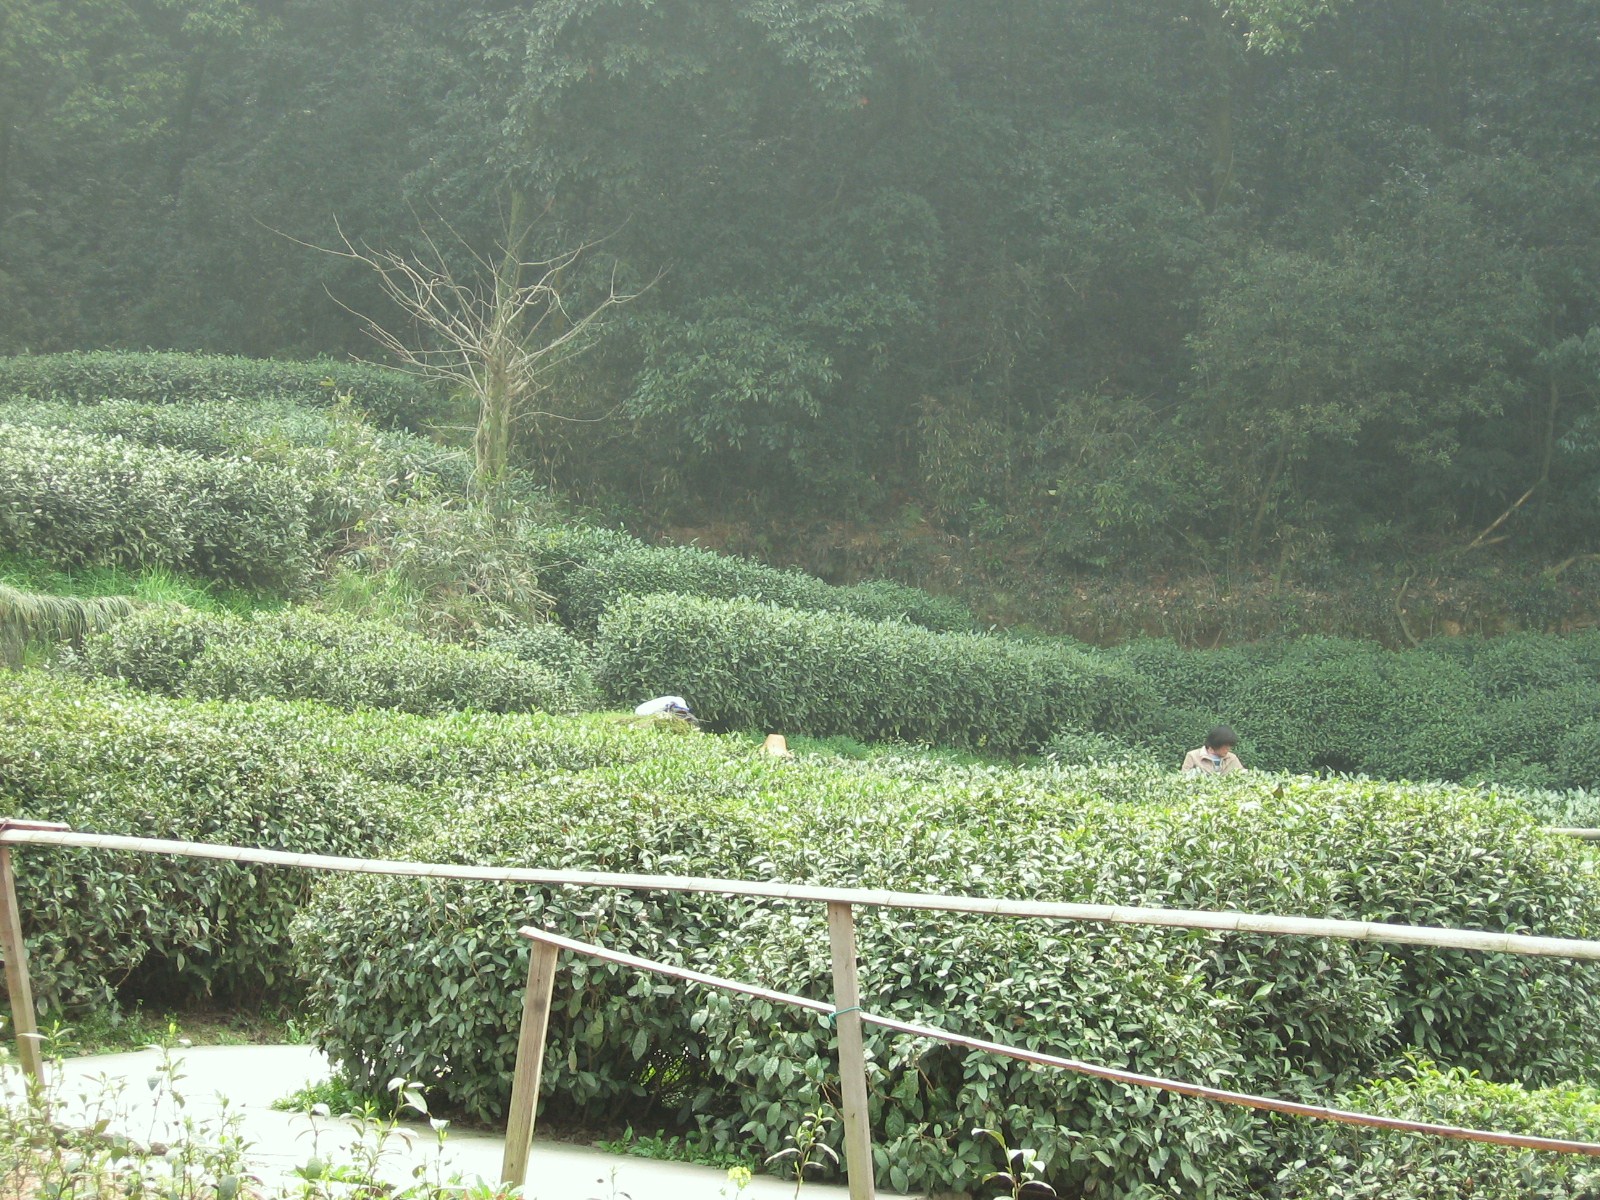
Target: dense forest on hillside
1181 283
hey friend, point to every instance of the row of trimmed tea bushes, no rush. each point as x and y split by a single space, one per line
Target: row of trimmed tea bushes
651 799
332 441
100 923
75 500
552 649
1574 809
585 594
1335 1162
299 777
393 399
296 654
1526 712
1522 709
423 979
236 493
747 665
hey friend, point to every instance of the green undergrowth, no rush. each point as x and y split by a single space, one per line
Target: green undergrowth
115 1030
334 1094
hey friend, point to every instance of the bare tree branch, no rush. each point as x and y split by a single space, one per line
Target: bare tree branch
497 332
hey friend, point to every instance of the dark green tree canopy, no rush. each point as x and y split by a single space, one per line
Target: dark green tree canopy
1097 277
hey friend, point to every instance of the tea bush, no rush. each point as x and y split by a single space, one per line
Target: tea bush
393 398
1345 1163
1203 680
1529 729
1577 762
1315 706
747 665
423 978
1521 664
299 655
291 776
98 922
349 470
1320 704
1068 747
555 650
218 428
1572 809
887 600
332 449
74 500
640 570
154 651
431 987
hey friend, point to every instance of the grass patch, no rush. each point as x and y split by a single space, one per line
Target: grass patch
153 585
675 1147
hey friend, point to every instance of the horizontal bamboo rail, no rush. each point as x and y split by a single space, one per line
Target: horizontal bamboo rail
1113 1074
1225 922
1588 835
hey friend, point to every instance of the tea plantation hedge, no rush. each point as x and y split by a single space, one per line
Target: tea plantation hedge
435 993
1325 1161
171 929
555 650
640 570
335 442
294 654
748 665
1527 715
243 494
1514 710
393 398
74 500
298 777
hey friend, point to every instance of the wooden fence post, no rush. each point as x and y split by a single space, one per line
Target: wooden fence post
23 1022
852 1057
530 1063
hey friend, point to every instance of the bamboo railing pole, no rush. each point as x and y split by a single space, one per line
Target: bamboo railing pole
1587 835
1116 1074
852 1055
1177 918
530 1063
23 1021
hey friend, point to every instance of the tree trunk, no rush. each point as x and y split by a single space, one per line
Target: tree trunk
1219 55
183 122
491 444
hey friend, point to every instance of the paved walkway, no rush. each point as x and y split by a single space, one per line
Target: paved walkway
215 1081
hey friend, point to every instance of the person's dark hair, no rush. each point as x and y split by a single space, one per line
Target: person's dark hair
1222 737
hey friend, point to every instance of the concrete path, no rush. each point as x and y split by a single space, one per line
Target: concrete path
212 1084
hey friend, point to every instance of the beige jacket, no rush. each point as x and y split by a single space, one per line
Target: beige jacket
1206 763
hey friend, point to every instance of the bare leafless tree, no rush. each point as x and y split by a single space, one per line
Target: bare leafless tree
495 328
